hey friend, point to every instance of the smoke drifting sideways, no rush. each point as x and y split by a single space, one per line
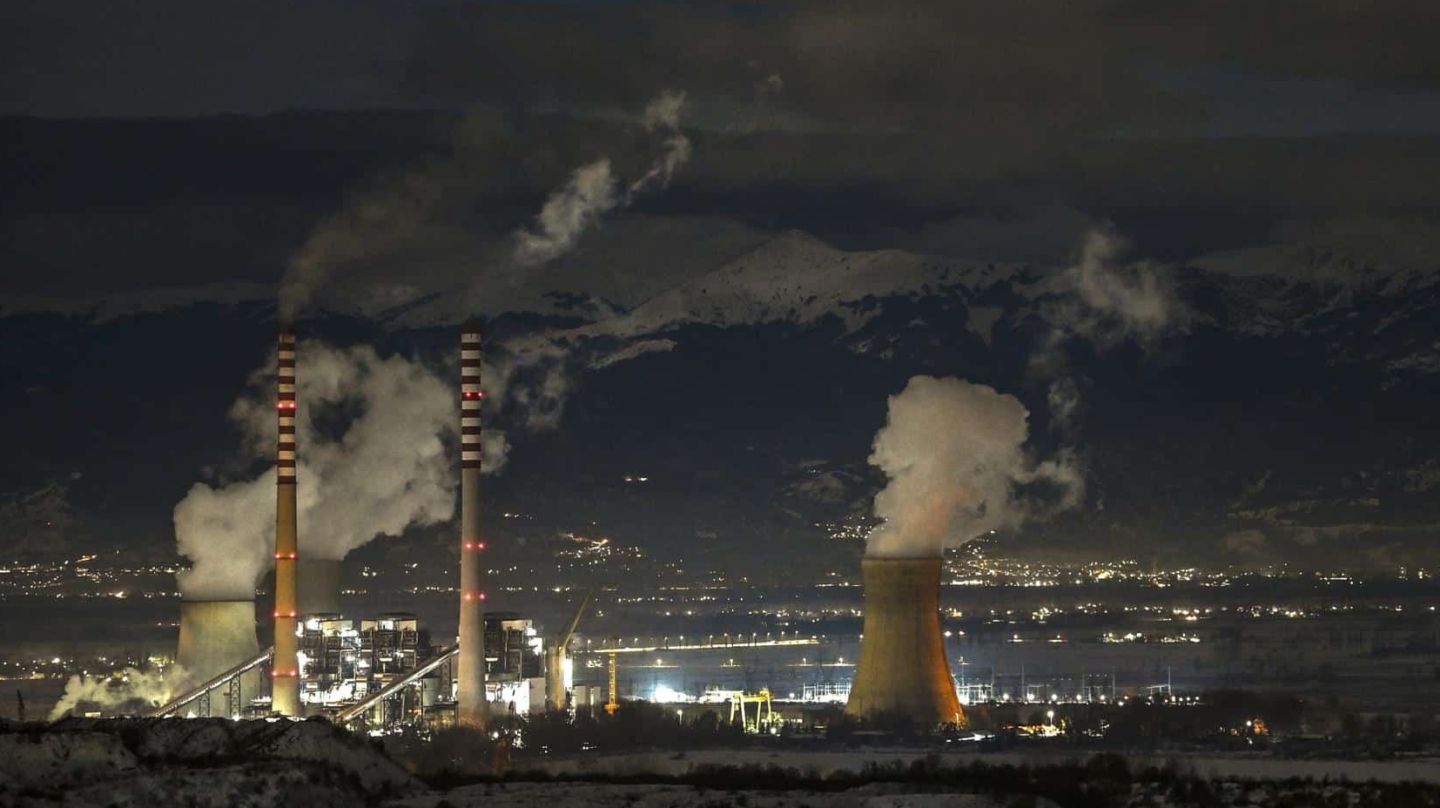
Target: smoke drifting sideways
386 471
135 689
1135 300
1107 300
594 190
955 456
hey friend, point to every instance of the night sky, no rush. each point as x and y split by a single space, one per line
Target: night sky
1199 244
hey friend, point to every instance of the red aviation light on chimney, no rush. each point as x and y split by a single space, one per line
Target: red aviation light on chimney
474 545
286 556
285 614
473 395
284 405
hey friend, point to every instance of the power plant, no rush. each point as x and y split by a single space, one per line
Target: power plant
384 671
285 667
470 670
903 670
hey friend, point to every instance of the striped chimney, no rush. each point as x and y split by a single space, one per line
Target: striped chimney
470 670
285 667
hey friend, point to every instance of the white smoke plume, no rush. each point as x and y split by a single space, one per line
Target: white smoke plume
955 455
1107 301
228 533
593 190
532 374
590 194
494 451
1134 300
1063 398
133 691
663 115
388 471
396 212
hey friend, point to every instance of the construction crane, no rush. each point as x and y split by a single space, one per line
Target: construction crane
613 649
556 657
764 711
613 705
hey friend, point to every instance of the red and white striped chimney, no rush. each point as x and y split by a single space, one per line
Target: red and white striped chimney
470 669
285 666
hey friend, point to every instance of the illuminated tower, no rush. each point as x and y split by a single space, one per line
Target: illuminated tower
903 671
470 667
285 668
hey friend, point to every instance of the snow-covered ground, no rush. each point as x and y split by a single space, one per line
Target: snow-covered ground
150 762
824 764
604 795
261 764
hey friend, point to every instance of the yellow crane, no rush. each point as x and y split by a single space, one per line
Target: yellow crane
614 703
613 649
557 656
764 711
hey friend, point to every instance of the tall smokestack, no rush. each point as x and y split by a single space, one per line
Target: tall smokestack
285 668
470 672
903 671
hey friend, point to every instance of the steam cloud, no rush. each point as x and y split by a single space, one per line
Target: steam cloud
593 190
389 469
378 221
955 456
1110 301
590 194
135 688
1134 300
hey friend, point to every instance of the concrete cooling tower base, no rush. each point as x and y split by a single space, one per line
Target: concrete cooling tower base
319 586
903 671
215 636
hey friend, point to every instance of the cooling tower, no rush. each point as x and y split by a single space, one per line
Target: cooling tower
559 676
470 667
285 669
319 586
903 670
215 636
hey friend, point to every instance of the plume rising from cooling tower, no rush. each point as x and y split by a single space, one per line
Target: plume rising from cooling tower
378 473
955 456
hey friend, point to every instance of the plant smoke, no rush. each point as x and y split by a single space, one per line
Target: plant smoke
955 456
